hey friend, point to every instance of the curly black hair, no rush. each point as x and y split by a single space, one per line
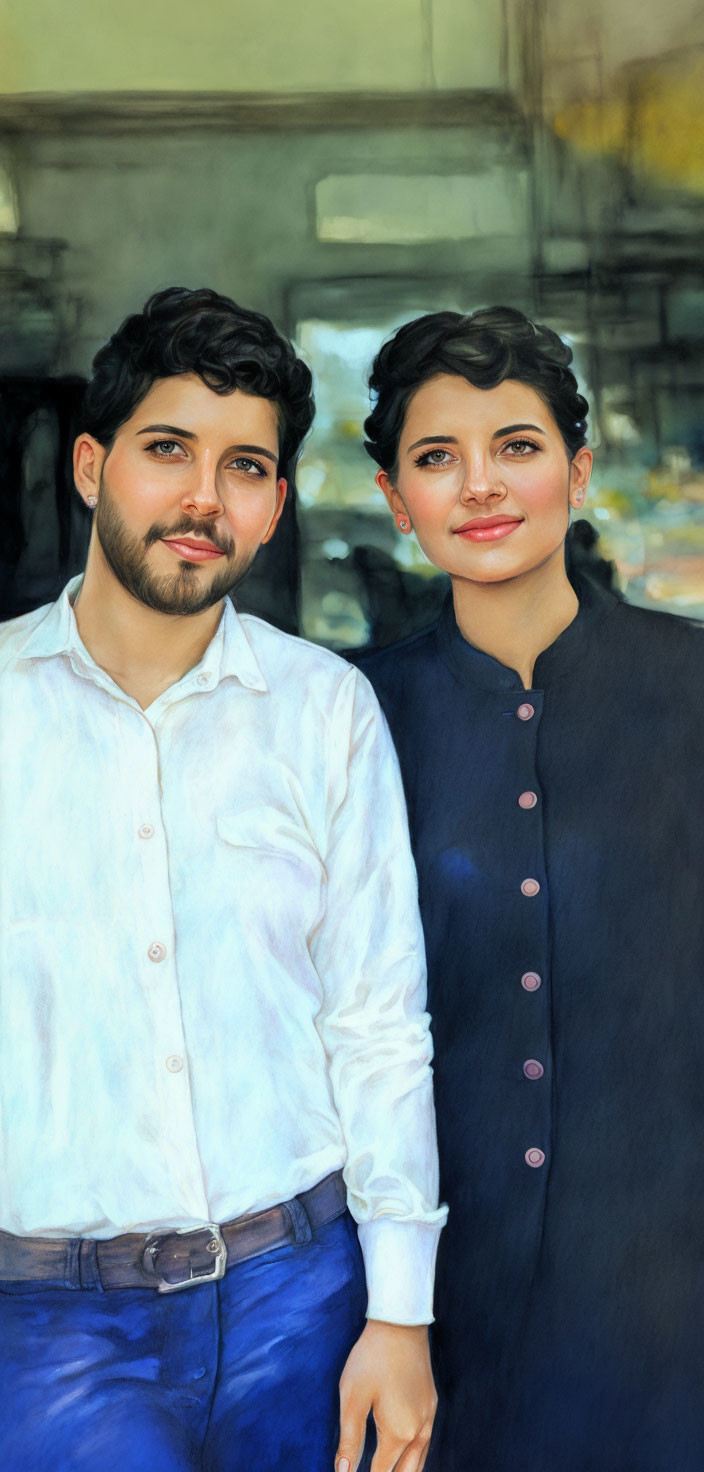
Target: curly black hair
202 332
485 348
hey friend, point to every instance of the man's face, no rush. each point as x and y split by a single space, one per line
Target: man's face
187 493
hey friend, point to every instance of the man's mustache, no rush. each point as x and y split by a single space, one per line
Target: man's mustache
190 526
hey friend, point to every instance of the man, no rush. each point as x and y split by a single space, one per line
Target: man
212 983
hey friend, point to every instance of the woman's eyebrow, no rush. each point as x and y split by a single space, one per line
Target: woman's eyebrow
514 428
433 439
184 434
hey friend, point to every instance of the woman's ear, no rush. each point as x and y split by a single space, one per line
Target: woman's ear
580 472
386 485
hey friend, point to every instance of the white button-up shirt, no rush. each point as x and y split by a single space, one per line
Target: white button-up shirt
211 980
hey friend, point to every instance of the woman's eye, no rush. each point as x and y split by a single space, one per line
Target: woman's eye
520 447
250 467
165 449
434 457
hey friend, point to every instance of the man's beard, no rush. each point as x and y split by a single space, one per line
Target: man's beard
178 592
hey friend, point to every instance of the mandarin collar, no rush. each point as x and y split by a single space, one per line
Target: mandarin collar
471 666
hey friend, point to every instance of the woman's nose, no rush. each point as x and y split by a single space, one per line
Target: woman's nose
481 484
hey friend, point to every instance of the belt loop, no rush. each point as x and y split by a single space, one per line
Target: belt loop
300 1221
88 1266
72 1272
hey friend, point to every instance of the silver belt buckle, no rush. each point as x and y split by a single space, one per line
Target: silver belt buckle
216 1245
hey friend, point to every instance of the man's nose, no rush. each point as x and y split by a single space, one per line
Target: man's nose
202 494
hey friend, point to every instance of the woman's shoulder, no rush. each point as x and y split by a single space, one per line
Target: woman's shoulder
394 667
660 654
659 630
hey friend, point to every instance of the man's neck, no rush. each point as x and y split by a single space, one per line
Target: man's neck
143 651
515 620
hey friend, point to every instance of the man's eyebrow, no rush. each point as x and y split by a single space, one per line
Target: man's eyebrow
433 439
187 434
514 428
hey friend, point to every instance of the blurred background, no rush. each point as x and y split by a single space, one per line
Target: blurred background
343 168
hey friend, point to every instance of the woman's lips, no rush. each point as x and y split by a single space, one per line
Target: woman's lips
488 529
193 551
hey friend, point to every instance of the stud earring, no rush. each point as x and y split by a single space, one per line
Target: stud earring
403 525
91 501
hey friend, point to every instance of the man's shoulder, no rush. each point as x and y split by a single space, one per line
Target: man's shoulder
16 632
281 654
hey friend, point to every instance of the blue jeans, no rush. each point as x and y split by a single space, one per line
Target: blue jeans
228 1376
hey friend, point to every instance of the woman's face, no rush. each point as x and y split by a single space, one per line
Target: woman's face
484 478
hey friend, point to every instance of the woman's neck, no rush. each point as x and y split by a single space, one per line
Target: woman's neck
515 620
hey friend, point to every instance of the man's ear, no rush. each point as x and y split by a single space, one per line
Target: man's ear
88 460
281 489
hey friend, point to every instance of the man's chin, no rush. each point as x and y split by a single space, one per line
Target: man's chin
192 590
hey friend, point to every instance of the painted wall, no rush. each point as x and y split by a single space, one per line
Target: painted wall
249 45
237 212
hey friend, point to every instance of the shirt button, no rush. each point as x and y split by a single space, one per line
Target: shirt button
525 712
527 800
156 951
174 1063
146 830
535 1158
532 1068
203 679
530 981
530 887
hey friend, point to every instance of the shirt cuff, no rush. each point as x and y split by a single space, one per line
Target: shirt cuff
399 1261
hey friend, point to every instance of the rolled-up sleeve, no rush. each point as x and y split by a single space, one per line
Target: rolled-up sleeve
370 957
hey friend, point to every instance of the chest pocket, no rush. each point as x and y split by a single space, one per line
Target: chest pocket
274 866
271 834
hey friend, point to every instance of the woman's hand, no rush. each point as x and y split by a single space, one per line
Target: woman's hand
388 1372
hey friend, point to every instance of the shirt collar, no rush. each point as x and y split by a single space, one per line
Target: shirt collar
229 652
472 666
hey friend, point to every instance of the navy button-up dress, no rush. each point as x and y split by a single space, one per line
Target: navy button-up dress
559 839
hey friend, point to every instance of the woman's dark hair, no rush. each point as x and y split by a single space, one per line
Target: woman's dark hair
229 347
484 348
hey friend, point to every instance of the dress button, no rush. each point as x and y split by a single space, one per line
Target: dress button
530 887
156 951
535 1158
530 981
525 712
532 1068
527 800
203 679
174 1063
146 830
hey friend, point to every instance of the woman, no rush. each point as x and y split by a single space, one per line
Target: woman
551 742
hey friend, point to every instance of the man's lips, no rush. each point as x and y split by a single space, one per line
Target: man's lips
193 550
488 528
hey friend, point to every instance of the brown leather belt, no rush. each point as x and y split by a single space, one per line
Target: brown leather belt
179 1257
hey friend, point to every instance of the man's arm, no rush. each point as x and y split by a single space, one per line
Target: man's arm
388 1373
370 956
